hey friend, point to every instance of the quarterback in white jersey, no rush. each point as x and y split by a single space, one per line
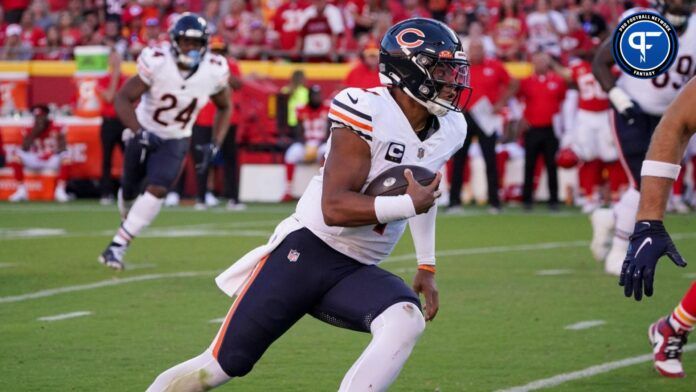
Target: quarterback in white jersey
320 261
173 84
377 118
638 105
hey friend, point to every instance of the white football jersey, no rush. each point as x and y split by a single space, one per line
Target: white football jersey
654 95
376 117
170 107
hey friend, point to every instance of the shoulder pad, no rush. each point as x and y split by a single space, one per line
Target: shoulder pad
352 107
148 62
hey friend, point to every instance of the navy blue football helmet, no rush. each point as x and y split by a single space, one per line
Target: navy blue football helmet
425 59
677 13
192 26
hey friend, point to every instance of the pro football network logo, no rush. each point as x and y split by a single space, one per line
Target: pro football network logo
645 45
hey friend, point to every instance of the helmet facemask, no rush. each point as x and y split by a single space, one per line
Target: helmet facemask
193 57
677 13
446 86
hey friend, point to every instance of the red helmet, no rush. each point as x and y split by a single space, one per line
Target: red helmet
567 158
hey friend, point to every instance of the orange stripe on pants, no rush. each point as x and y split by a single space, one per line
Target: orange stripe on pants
221 335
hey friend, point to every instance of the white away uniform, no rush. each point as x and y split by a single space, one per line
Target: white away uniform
377 118
169 108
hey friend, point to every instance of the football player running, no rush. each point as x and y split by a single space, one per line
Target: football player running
638 105
172 84
323 259
650 240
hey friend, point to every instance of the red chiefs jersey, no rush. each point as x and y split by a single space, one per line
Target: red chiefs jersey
46 144
314 122
591 95
287 23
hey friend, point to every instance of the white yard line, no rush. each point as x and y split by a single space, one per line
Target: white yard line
217 320
7 265
554 272
64 316
585 325
137 266
103 283
446 253
585 373
213 229
52 208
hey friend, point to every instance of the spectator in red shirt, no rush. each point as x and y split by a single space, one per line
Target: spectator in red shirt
257 46
509 31
111 128
492 87
43 148
31 34
323 24
542 92
50 47
69 34
365 74
14 49
287 23
2 152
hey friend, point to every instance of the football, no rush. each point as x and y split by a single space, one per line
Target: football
392 182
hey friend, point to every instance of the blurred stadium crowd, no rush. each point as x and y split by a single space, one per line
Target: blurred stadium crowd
317 30
549 113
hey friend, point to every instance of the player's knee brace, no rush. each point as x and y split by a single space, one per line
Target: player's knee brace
403 321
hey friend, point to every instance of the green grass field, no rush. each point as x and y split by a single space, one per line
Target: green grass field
501 323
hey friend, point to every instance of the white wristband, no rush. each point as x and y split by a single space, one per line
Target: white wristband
620 99
393 208
660 169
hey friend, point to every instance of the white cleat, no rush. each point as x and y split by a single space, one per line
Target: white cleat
20 194
211 200
60 195
172 199
616 256
603 221
235 206
589 207
676 204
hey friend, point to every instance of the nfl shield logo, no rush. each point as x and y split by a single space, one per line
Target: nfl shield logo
421 152
293 255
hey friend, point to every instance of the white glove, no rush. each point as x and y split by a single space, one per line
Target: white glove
127 135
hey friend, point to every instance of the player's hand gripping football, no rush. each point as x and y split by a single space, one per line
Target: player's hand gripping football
423 197
649 242
424 283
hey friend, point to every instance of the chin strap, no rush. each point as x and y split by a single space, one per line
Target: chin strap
432 107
